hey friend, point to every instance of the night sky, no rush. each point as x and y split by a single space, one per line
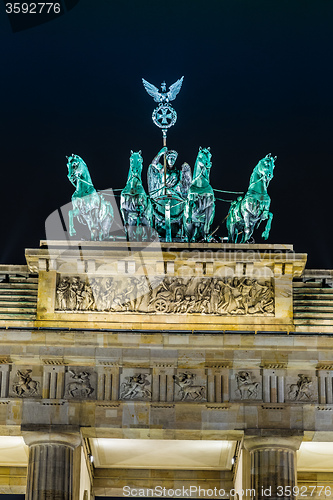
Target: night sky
258 78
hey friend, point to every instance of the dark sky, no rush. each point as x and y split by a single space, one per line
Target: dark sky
258 78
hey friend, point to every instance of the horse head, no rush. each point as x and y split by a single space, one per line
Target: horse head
202 165
77 169
136 164
265 167
204 156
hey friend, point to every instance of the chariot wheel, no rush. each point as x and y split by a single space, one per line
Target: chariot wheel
160 305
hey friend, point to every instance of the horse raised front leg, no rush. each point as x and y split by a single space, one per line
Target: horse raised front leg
269 216
71 215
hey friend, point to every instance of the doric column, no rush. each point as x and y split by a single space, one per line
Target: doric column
50 469
273 466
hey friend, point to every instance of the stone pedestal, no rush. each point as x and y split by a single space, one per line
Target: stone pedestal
50 469
273 466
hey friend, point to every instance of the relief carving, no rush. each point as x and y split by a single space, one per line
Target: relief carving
80 385
25 386
136 387
302 390
33 268
187 389
172 295
247 388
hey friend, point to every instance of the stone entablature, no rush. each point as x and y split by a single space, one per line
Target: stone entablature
184 286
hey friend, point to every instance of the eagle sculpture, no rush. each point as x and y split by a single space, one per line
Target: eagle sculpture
163 96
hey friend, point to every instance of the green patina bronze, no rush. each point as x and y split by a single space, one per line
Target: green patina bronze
200 204
168 190
135 205
178 208
247 212
89 207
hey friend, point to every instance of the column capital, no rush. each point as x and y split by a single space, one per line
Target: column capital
254 443
32 438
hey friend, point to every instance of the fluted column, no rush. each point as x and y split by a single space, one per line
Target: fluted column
273 466
50 469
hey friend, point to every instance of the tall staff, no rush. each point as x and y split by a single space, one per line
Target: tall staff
164 116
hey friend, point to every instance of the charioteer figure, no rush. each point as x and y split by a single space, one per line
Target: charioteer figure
168 189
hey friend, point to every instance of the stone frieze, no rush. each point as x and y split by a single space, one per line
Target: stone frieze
160 385
170 295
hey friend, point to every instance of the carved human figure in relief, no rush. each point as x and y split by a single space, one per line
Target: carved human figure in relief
136 386
246 387
80 387
169 188
232 302
95 285
302 390
142 294
75 296
215 294
25 386
62 293
88 297
108 294
189 391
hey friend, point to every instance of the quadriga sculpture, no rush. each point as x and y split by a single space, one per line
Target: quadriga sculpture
248 211
200 205
89 207
135 205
